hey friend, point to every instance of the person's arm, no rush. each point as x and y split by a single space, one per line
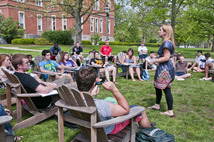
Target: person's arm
45 89
122 107
81 51
51 50
165 58
93 63
46 71
146 51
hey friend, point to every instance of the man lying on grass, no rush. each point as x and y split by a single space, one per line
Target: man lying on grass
86 78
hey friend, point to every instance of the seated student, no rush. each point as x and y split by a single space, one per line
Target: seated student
4 64
208 66
77 53
177 57
203 62
148 59
181 69
48 66
106 66
31 85
32 63
142 50
54 50
66 61
86 78
130 60
7 127
198 58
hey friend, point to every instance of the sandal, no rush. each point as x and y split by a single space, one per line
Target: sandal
16 139
133 80
153 107
167 113
115 82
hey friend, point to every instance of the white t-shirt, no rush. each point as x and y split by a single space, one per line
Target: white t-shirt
197 59
204 61
144 48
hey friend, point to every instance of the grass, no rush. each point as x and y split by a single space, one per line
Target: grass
193 106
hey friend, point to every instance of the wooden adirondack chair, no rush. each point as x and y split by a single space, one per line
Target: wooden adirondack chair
85 115
38 114
126 73
5 138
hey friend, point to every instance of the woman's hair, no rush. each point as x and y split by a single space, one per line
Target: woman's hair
2 58
131 49
62 57
169 33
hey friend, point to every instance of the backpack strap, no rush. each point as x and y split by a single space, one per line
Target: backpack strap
153 131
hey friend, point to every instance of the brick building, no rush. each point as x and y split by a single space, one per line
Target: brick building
35 18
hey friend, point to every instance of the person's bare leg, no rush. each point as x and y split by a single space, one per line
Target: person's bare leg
107 74
207 67
70 77
138 73
146 65
131 72
114 74
81 57
115 59
187 75
144 122
194 65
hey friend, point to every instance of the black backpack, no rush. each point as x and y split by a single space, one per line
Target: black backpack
153 134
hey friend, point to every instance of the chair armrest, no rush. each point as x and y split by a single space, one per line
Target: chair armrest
88 110
52 74
28 95
5 119
14 85
95 66
133 112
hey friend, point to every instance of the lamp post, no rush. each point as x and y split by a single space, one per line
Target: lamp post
107 15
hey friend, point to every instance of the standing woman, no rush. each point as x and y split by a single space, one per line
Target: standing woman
165 73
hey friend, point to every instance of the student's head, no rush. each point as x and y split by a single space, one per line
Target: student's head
179 54
142 43
77 44
181 58
199 52
4 60
166 33
46 54
107 42
96 54
29 57
207 55
130 52
20 62
85 79
64 56
55 45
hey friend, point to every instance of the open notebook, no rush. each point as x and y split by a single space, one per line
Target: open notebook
54 92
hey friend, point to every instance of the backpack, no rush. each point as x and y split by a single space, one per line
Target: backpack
153 134
145 75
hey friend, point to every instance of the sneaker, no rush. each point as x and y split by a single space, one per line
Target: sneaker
202 78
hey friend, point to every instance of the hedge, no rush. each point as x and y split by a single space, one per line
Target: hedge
129 44
86 42
23 41
43 41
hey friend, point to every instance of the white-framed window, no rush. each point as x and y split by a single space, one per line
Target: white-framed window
64 22
96 25
82 22
39 2
108 26
96 5
39 22
0 16
21 0
92 24
101 25
109 4
22 19
53 22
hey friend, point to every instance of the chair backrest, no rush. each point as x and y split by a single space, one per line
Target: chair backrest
120 56
73 97
58 56
38 59
13 79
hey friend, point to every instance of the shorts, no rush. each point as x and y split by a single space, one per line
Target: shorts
212 68
179 73
143 56
109 58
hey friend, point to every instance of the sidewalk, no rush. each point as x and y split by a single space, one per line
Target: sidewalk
17 48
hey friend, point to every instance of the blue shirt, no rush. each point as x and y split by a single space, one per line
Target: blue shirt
50 66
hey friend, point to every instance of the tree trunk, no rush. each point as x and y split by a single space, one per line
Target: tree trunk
78 30
173 15
208 41
213 44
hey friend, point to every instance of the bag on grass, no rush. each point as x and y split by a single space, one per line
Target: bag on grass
145 75
153 134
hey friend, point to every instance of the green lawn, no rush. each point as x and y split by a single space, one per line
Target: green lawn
193 105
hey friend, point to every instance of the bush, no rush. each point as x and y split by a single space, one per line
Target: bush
61 37
86 42
43 41
102 43
23 41
153 41
95 38
153 44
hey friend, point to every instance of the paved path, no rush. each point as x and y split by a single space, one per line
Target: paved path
17 48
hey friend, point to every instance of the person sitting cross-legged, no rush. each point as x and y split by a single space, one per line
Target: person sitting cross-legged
181 69
49 66
31 85
209 65
77 53
107 68
86 78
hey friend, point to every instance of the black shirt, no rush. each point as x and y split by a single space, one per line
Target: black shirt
30 84
77 50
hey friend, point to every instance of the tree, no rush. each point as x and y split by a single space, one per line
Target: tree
10 29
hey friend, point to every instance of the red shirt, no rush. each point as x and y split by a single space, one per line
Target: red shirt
105 50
